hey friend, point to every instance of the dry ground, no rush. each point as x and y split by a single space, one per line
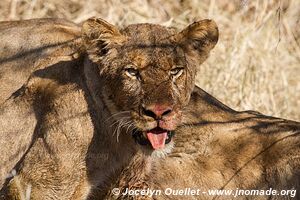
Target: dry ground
256 64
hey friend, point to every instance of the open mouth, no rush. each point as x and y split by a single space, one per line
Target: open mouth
156 137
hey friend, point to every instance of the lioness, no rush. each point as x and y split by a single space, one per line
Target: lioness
73 113
110 116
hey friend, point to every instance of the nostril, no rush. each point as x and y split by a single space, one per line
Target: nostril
149 113
167 112
156 111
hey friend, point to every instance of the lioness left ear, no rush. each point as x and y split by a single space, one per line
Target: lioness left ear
199 38
99 37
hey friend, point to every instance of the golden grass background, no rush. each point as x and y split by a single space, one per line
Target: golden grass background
255 65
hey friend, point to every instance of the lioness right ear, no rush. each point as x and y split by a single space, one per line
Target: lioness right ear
198 39
99 37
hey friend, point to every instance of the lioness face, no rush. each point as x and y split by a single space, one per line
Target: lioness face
149 71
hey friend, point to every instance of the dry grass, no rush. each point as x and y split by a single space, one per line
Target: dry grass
256 64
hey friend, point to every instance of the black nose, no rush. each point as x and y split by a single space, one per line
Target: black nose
156 111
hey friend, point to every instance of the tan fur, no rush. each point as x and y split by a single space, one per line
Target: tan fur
28 45
81 114
68 140
219 148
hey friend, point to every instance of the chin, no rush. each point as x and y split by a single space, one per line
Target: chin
161 153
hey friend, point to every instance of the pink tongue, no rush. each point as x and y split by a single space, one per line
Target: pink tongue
157 140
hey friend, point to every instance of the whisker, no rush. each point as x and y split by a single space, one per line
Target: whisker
121 124
119 128
116 114
118 121
130 125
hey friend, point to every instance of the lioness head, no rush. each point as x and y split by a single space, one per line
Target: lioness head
148 72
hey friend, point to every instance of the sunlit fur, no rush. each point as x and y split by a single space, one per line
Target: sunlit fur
220 148
153 51
72 121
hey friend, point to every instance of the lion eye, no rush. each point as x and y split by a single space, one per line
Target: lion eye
132 72
176 71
